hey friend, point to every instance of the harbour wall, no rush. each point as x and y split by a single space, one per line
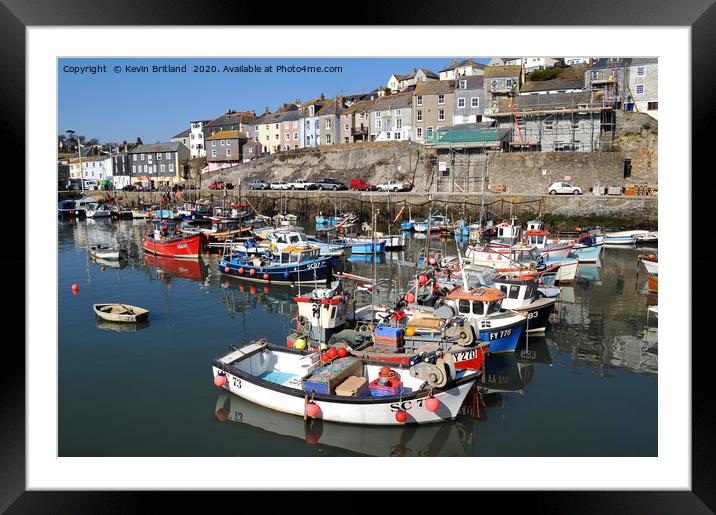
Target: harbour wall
559 211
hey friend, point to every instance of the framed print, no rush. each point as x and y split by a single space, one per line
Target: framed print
282 250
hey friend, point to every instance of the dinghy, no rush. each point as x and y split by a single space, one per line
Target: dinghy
120 312
344 389
107 253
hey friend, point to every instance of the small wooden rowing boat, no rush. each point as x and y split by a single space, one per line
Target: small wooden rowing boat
108 253
120 312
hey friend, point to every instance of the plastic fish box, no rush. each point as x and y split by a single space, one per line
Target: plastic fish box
389 332
389 344
383 390
354 386
325 379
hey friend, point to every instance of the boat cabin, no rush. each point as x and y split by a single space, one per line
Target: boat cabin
480 301
535 225
536 237
164 230
295 254
508 233
280 238
518 291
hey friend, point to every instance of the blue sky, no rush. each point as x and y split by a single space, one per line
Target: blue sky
113 106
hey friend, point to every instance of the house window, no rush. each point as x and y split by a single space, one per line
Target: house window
276 136
213 143
286 136
429 132
168 155
171 168
278 125
419 132
222 142
142 157
461 102
508 83
441 115
295 124
213 153
399 123
441 99
475 102
419 114
640 71
462 84
134 157
285 125
639 89
377 123
134 168
310 110
228 152
159 157
328 139
396 135
162 168
652 106
328 123
593 75
295 135
145 169
397 112
419 100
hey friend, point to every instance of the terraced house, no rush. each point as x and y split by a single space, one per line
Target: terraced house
501 82
229 121
355 122
329 122
465 68
642 88
398 83
433 107
159 164
391 118
309 132
469 99
224 149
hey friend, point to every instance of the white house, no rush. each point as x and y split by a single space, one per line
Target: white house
401 82
196 139
463 68
391 118
530 64
96 168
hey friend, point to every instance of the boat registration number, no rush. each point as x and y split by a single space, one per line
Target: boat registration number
500 334
406 405
465 355
532 314
236 381
181 246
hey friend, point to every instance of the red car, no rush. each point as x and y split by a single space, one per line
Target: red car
219 185
361 185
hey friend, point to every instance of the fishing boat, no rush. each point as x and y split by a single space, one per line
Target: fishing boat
622 237
120 312
279 239
522 295
516 258
432 224
335 220
285 219
392 241
507 233
649 237
296 382
293 264
164 241
193 212
97 210
121 213
140 214
565 269
219 230
363 245
651 263
108 253
586 253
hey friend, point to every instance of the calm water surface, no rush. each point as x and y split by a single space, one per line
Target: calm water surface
586 388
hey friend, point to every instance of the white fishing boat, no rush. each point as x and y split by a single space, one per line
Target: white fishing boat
107 253
649 237
567 270
623 237
514 259
137 213
523 296
295 382
96 210
392 241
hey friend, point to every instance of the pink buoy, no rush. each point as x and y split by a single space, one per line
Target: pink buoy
241 270
252 272
266 277
432 404
401 416
312 409
409 298
227 269
432 261
422 279
220 381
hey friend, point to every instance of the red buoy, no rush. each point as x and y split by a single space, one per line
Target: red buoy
312 409
241 270
266 277
432 404
252 271
266 289
227 269
432 260
75 288
325 358
409 298
422 279
332 352
220 381
401 416
242 287
385 371
342 352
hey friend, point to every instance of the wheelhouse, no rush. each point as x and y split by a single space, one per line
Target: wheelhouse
299 254
480 301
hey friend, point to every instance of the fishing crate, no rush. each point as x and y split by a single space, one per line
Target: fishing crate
325 379
354 386
384 390
390 337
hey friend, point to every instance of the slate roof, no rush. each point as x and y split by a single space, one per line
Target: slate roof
473 82
235 117
183 134
172 146
389 102
434 87
464 62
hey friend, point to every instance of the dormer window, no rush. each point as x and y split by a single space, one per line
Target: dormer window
462 84
310 110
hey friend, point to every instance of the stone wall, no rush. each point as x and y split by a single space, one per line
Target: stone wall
637 138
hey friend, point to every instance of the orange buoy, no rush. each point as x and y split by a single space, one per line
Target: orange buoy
401 416
220 380
312 409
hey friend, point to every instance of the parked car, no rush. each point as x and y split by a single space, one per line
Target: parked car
220 185
278 185
361 184
563 188
259 184
301 184
391 186
330 184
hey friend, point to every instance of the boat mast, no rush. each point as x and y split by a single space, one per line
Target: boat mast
462 266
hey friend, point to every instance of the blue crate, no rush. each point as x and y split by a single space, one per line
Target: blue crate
390 332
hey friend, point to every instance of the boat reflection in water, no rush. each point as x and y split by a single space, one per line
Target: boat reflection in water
451 438
195 270
106 263
121 327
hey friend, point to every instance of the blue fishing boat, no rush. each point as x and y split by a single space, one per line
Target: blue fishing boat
587 253
363 245
335 220
407 225
288 266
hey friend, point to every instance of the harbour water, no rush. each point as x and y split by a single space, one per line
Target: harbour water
588 387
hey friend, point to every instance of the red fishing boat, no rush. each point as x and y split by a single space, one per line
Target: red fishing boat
164 241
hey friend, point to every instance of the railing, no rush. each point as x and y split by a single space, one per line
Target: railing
359 130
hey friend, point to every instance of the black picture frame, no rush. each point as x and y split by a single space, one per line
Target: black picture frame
700 15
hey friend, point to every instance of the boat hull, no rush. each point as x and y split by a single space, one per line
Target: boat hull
502 339
587 254
319 271
182 247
